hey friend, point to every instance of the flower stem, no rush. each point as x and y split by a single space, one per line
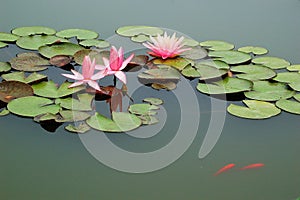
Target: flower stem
115 81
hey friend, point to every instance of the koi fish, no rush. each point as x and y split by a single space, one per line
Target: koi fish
225 168
252 166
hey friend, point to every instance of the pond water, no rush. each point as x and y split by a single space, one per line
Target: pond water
38 164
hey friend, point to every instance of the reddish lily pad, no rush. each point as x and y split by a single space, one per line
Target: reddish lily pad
29 62
10 90
60 60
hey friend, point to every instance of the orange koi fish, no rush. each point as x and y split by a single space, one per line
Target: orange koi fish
225 168
252 166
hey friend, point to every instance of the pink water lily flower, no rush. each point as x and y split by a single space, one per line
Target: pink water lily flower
116 63
166 46
87 76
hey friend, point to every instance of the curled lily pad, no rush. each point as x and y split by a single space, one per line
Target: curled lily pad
294 68
95 43
164 74
80 34
254 50
271 62
29 62
121 122
129 31
142 109
32 106
153 101
2 44
297 97
215 63
254 72
140 38
64 48
167 86
60 60
289 106
36 41
82 103
177 63
4 112
268 91
80 128
4 67
217 45
33 30
21 77
10 90
50 90
226 86
254 110
93 54
7 37
230 57
195 53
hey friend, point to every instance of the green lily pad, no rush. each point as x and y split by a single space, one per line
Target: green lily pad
82 103
36 41
217 45
4 112
140 38
143 109
29 62
289 106
195 53
230 57
80 128
267 91
121 122
293 68
4 67
253 72
190 42
20 76
297 97
93 54
271 62
215 63
50 90
129 31
208 72
190 72
32 106
163 74
63 116
33 30
167 86
7 37
153 101
177 63
80 34
95 43
227 86
10 90
148 119
254 50
254 110
2 44
64 48
287 77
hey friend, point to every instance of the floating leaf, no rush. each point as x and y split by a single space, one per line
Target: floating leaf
129 31
153 101
228 85
60 60
29 62
32 106
93 54
139 60
289 106
64 48
20 76
254 110
293 68
80 34
7 37
230 57
208 72
4 67
254 50
140 38
80 128
95 43
292 78
178 63
122 122
167 86
196 53
36 41
143 109
2 44
148 119
217 45
33 30
163 74
297 97
50 90
71 116
215 63
190 72
190 42
254 72
4 112
267 91
82 103
271 62
10 90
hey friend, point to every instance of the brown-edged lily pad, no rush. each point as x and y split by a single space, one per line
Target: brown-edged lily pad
29 62
10 90
60 60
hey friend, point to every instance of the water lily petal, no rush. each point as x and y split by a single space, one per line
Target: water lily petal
98 75
125 63
77 83
121 76
114 59
94 85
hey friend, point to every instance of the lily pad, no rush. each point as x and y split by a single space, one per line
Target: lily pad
4 112
177 63
268 91
4 67
254 110
271 62
190 72
153 101
190 42
230 57
289 106
93 54
294 68
121 122
60 60
143 109
215 63
80 34
196 53
254 72
33 30
139 60
20 76
2 44
164 74
129 31
254 50
63 116
140 38
10 90
95 43
7 37
32 106
297 97
82 103
50 90
29 62
36 41
167 86
148 119
292 78
80 128
64 48
217 45
208 72
227 86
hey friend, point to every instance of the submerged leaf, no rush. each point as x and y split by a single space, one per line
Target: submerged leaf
80 34
20 76
33 30
10 90
254 72
289 106
217 45
4 67
64 48
271 62
130 31
29 62
231 57
80 128
167 86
